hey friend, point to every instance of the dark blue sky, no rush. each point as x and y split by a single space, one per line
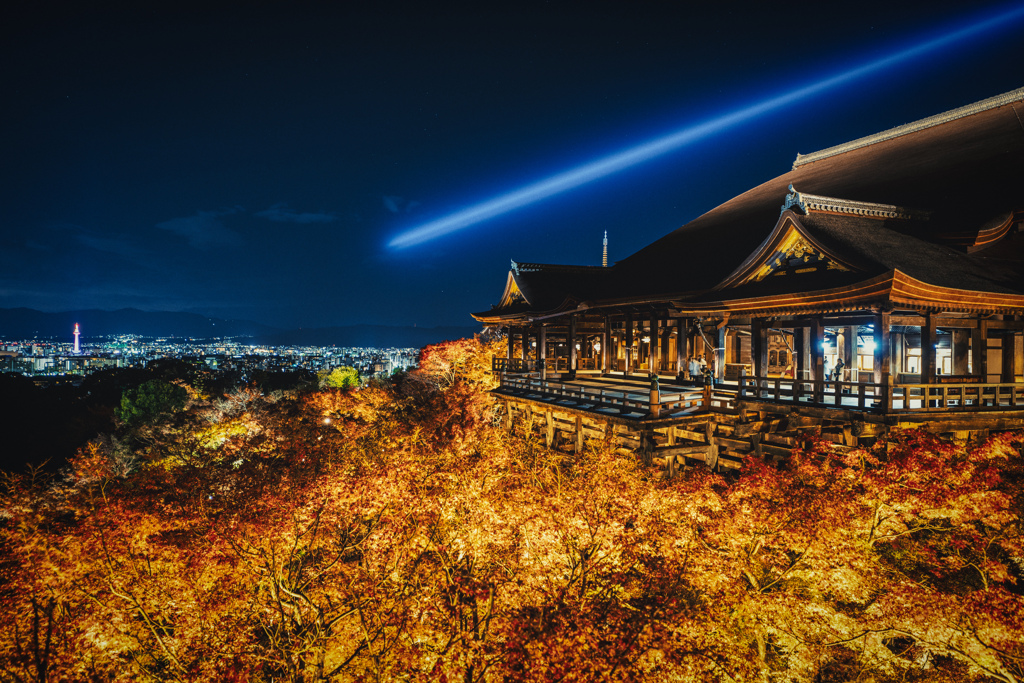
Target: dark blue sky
252 160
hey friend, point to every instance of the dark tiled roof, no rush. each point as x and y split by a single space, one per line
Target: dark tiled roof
876 244
966 171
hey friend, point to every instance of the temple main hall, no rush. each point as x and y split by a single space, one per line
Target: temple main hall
877 285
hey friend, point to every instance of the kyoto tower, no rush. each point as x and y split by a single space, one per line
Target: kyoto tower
77 334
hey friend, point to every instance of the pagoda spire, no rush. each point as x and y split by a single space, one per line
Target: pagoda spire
604 255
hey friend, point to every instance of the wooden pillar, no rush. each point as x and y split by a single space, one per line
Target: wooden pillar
655 346
647 446
524 336
817 336
629 344
542 351
1018 356
666 343
850 352
711 458
883 357
928 348
961 344
979 350
579 434
606 349
681 343
511 342
799 352
1007 371
759 346
817 369
720 352
572 345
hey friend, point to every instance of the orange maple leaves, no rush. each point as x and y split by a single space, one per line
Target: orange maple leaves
395 532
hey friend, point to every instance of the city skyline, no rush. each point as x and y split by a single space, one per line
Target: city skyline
255 163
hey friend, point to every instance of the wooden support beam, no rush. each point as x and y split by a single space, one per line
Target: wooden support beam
542 352
681 326
654 348
549 434
647 446
849 351
961 345
579 434
817 369
670 467
629 344
606 349
828 320
719 352
883 358
979 351
759 346
1018 357
572 345
1007 371
928 340
800 345
666 343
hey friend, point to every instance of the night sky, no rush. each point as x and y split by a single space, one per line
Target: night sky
254 160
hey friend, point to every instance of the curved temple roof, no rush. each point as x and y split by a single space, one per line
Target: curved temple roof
940 200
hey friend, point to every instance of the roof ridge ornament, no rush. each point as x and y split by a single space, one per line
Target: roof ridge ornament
794 198
813 202
907 128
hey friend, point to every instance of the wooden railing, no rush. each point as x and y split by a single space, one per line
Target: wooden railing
873 397
957 397
513 364
621 399
856 395
860 396
722 400
519 365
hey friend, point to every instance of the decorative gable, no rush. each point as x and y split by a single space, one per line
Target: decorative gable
788 250
512 293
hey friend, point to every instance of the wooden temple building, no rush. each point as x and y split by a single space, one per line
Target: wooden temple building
879 284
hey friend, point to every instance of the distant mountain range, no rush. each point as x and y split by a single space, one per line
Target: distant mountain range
27 323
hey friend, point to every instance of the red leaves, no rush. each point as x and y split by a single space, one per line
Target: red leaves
408 538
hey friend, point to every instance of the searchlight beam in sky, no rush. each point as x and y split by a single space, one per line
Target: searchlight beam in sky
605 166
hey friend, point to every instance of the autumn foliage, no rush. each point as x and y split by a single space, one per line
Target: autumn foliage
397 532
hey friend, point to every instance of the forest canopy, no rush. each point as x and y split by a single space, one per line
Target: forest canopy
396 531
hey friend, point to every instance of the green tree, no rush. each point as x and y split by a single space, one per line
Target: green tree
339 378
151 400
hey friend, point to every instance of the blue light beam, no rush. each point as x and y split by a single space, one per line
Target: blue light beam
614 163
